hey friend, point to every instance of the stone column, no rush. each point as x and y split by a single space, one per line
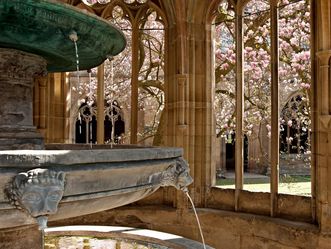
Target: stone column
17 70
274 154
239 149
323 150
322 113
42 101
101 104
134 86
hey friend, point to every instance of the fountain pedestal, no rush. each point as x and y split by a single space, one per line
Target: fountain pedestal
17 72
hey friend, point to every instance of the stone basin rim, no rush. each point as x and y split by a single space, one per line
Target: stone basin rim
46 158
171 241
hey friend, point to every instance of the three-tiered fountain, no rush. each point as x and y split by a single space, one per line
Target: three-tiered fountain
36 37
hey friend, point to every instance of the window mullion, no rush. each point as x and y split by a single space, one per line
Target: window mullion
100 104
239 154
134 83
274 151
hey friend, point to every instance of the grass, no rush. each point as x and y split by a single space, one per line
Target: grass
288 184
282 179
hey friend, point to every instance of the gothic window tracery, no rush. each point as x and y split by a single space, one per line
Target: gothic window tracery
86 123
295 127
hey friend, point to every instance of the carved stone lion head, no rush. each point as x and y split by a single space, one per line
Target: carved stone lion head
177 175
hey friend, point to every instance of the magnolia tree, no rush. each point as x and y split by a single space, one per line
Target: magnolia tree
118 76
294 68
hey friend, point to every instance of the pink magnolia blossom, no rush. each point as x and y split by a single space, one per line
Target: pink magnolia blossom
289 123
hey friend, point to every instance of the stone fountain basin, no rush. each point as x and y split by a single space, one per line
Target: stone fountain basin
109 234
95 179
43 27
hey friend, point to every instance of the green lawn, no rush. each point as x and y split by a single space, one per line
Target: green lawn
298 185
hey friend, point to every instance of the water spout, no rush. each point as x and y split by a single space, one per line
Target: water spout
73 36
42 222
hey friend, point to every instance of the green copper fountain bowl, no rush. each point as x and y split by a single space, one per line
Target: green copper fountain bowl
43 27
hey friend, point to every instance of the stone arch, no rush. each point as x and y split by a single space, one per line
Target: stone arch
85 123
107 11
323 19
212 9
85 7
133 13
292 128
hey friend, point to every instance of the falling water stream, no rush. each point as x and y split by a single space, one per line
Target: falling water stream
197 218
42 223
74 38
112 125
77 60
90 103
77 65
112 141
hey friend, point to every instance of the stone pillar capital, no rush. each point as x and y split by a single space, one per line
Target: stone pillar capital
324 57
325 124
41 80
182 97
181 77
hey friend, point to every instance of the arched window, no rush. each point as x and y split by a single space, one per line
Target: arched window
295 127
151 75
114 118
140 69
86 123
136 76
